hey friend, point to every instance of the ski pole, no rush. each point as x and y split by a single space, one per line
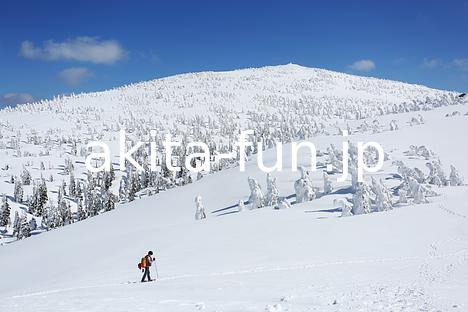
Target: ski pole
156 268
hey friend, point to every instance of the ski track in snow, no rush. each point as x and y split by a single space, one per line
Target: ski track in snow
250 271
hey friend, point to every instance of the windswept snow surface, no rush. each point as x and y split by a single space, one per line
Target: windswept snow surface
307 258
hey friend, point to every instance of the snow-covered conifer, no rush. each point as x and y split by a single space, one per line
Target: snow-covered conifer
256 198
327 184
109 201
5 212
402 193
199 176
455 177
303 188
200 210
18 192
26 177
72 186
393 125
345 206
417 191
283 203
16 224
383 200
24 230
241 206
436 174
33 224
361 199
271 198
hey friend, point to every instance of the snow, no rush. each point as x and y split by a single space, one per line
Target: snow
307 258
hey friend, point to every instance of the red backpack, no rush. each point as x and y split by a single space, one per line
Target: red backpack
142 263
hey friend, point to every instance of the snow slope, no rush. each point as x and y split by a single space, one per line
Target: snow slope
307 258
281 102
413 258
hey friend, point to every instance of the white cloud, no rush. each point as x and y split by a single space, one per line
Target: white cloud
363 65
83 49
74 76
431 63
461 64
15 98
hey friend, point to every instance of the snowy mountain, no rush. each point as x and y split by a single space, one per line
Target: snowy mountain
406 250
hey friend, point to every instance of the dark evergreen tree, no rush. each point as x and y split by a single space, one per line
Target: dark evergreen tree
40 198
26 177
32 224
16 224
72 186
82 213
24 231
109 201
18 192
5 212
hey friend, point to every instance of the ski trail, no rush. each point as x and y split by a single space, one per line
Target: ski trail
443 208
250 271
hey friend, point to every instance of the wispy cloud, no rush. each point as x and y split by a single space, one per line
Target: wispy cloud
399 61
363 65
431 63
461 64
15 98
83 49
75 75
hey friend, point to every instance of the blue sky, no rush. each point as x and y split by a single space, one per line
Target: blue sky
57 47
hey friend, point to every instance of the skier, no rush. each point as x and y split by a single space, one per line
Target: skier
145 266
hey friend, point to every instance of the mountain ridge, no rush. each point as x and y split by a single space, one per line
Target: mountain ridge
286 68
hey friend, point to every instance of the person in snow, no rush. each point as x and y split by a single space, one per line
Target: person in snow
146 264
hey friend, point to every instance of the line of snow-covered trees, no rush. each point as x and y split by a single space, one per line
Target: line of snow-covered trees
376 196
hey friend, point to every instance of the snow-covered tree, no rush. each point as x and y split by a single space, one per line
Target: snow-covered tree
436 174
40 198
108 177
402 196
256 198
383 200
72 186
361 199
241 206
393 125
455 177
334 158
26 177
303 188
200 210
271 198
417 191
327 184
354 177
24 231
123 190
199 176
283 203
345 206
18 192
133 185
33 224
5 212
109 201
82 213
16 224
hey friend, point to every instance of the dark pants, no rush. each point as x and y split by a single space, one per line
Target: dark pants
146 274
